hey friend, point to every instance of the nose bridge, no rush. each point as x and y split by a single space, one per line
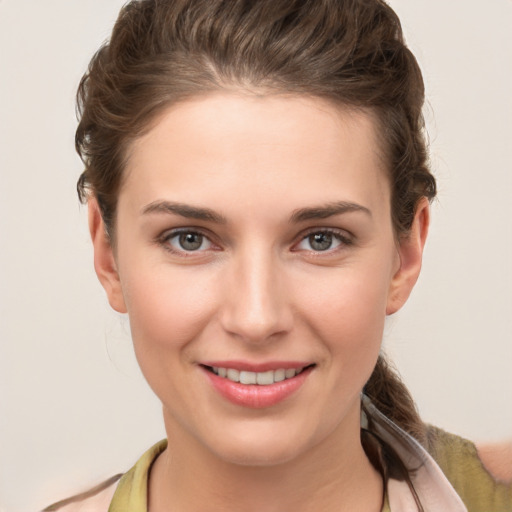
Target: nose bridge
256 307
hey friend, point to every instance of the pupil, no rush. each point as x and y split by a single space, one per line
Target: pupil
191 241
320 241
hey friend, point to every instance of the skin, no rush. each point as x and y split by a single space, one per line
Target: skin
497 459
257 290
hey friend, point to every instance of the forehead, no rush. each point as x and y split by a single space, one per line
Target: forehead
282 149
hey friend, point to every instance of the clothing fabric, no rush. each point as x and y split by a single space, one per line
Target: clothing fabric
451 478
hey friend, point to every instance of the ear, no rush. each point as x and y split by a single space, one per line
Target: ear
104 261
410 252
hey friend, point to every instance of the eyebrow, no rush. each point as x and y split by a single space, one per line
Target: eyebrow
206 214
184 210
328 210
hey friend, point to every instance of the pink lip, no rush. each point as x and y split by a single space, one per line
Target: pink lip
257 367
252 395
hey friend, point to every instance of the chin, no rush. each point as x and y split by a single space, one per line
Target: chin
262 445
263 454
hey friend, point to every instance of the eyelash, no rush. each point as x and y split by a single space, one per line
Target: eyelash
344 239
165 238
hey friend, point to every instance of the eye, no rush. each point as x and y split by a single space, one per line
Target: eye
322 241
187 241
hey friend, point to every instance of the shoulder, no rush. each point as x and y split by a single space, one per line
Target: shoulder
97 499
122 493
497 458
479 486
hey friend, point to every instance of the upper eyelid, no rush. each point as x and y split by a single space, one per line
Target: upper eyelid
343 233
171 232
167 234
345 238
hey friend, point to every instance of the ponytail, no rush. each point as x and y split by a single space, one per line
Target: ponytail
389 394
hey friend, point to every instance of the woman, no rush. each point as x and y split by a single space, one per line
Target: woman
258 203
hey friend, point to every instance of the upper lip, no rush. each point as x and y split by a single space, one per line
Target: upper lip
257 367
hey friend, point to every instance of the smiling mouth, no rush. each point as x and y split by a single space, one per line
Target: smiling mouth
257 378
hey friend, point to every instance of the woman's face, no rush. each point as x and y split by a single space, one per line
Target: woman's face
254 242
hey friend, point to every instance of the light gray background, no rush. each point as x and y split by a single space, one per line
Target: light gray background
74 409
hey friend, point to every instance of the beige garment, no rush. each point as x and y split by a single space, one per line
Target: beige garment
434 491
95 500
436 494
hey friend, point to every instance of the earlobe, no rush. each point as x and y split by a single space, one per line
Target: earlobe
410 251
104 261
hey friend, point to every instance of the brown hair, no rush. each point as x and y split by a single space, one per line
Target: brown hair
350 52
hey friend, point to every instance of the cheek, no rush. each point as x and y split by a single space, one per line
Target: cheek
166 308
348 313
351 329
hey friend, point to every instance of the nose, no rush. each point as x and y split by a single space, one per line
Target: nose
256 308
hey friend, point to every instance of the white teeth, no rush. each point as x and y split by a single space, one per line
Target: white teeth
260 378
289 373
247 378
279 375
265 378
233 375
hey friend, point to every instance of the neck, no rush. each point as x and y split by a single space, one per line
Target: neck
333 476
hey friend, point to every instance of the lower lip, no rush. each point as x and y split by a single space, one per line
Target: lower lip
257 396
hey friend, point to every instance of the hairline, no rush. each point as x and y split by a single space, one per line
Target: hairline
247 90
